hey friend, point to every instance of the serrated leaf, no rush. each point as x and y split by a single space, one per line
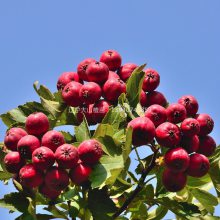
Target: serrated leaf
158 213
126 148
198 182
82 132
103 130
68 137
43 91
56 212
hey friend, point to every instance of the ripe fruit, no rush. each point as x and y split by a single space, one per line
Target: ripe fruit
27 145
30 176
157 114
143 99
168 134
177 159
156 97
112 59
48 192
151 80
126 70
56 178
176 113
190 144
190 103
66 78
174 182
198 165
97 72
88 112
53 139
13 162
100 109
90 93
12 137
113 75
43 158
82 67
67 156
206 124
37 124
113 88
70 94
190 127
90 151
80 174
143 131
207 145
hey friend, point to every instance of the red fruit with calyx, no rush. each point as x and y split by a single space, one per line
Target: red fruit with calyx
53 139
97 72
206 124
13 162
143 131
207 145
151 80
56 178
143 99
156 97
43 158
177 159
90 93
27 145
190 103
90 151
67 156
157 114
80 173
113 88
37 124
126 70
113 75
190 144
168 134
176 113
48 192
99 110
70 94
12 137
87 110
190 127
173 182
66 78
198 165
82 67
30 176
112 59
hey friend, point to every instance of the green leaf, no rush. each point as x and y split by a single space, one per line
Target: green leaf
82 132
198 182
68 137
158 213
126 148
56 212
4 174
43 91
103 130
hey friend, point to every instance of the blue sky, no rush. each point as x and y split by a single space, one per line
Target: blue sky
41 39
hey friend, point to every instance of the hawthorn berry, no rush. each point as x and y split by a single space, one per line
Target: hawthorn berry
13 162
151 80
82 67
190 103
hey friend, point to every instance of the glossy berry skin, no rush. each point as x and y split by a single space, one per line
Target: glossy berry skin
12 137
151 80
30 176
48 192
174 182
56 178
80 174
37 124
207 145
198 166
177 159
100 109
126 70
206 124
113 88
156 97
82 67
87 110
70 94
112 59
143 131
67 156
190 103
113 75
43 158
90 151
53 139
176 113
190 144
27 145
143 99
157 114
190 127
97 72
168 134
66 78
13 162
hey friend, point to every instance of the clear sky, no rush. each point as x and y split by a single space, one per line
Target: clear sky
40 39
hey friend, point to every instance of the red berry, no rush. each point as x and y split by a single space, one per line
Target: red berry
13 162
88 112
190 144
176 113
156 97
190 103
143 99
37 124
67 156
100 109
126 70
206 124
43 158
190 127
151 80
90 151
48 192
82 67
207 145
112 59
143 131
113 75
